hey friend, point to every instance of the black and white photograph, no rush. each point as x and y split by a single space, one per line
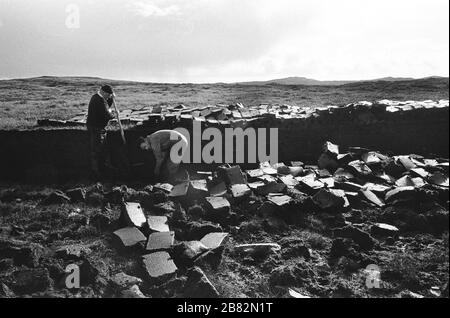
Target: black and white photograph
224 156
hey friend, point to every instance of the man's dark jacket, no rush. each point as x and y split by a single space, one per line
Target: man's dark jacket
98 114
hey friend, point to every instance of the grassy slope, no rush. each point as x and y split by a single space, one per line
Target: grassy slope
24 101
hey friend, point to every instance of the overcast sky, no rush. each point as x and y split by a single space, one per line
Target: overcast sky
224 40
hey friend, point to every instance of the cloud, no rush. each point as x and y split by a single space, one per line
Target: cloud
151 9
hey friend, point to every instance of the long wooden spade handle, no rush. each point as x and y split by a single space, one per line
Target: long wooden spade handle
122 133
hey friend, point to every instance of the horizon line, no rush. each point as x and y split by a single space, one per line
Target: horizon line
223 82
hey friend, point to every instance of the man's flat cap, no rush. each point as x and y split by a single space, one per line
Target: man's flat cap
107 89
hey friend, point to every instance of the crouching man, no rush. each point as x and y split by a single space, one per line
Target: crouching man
162 143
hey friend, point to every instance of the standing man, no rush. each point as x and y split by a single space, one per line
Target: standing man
168 158
99 114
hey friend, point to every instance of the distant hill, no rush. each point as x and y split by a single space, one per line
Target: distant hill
297 81
293 81
312 82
